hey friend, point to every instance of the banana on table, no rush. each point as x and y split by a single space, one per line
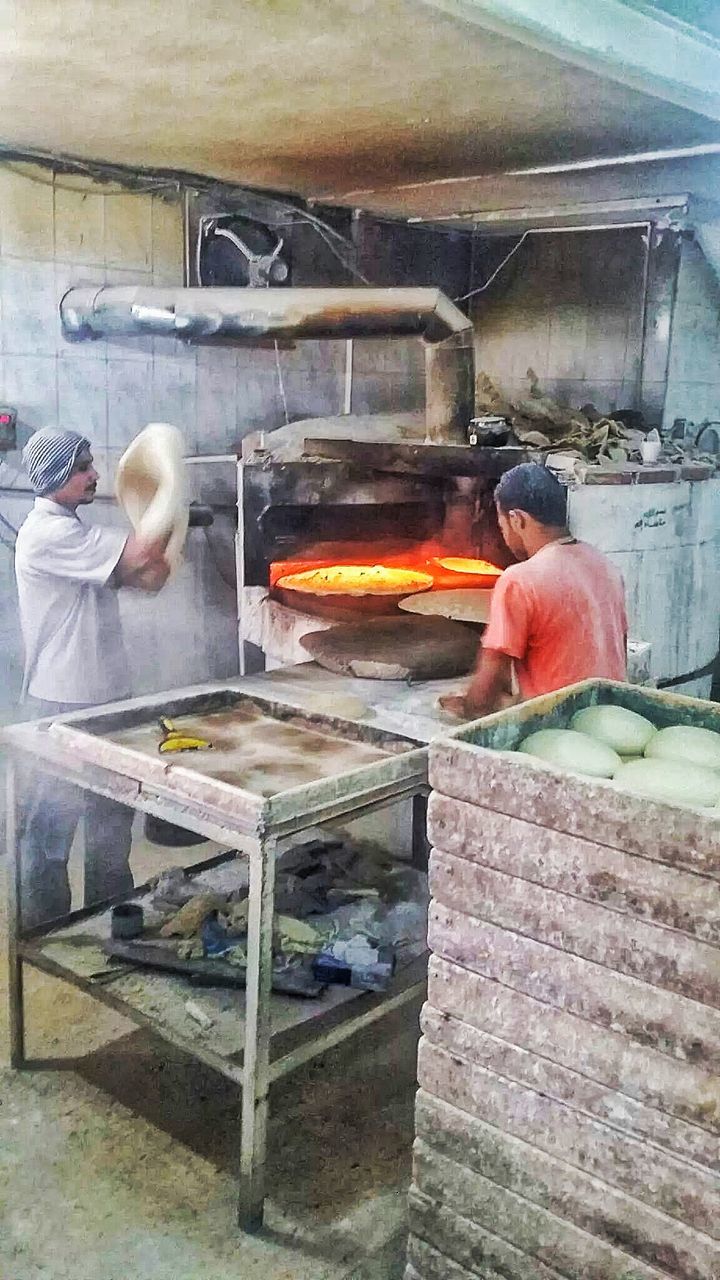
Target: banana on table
174 740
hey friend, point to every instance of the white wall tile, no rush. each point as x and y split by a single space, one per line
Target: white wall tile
214 356
29 306
693 385
128 230
258 401
79 220
383 355
388 393
26 212
168 246
12 475
315 395
250 360
30 384
175 349
174 397
328 356
129 399
130 348
216 406
82 399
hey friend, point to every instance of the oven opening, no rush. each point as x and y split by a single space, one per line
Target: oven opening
365 559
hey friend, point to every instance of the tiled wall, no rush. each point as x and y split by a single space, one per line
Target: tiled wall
569 307
54 234
70 231
693 389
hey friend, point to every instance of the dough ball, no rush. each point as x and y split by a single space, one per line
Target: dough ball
576 752
625 731
345 706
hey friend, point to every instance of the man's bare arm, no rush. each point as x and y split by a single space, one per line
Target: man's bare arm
492 679
142 564
487 690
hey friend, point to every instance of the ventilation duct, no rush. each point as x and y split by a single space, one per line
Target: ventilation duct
228 315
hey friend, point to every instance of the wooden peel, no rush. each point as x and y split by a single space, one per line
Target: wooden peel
400 648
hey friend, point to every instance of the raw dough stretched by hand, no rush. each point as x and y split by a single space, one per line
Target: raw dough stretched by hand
150 487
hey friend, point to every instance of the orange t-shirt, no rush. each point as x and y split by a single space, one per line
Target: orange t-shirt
561 616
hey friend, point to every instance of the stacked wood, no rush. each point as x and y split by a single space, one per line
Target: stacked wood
568 1116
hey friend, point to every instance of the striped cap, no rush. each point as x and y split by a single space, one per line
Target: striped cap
49 457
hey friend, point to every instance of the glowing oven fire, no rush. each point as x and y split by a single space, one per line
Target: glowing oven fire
338 586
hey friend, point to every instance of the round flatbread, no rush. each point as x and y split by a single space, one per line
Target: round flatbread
466 604
467 565
356 580
150 487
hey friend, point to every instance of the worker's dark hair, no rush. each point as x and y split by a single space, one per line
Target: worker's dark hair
535 490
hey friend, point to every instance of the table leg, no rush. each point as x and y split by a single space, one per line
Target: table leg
16 1005
420 844
257 1037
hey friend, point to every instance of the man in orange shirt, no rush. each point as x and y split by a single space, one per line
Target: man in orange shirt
557 616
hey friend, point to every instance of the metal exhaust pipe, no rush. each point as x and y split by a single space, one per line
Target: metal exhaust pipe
221 315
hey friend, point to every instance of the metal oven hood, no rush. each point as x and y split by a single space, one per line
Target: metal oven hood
227 315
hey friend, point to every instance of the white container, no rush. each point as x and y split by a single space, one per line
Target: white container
650 450
665 540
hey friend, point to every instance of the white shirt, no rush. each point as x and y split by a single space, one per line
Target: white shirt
69 615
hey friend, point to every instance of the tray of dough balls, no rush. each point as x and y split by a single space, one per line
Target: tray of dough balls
659 746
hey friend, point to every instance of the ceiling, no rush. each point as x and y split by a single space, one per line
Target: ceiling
701 13
323 99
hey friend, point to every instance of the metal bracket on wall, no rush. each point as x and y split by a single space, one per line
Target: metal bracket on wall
661 277
672 682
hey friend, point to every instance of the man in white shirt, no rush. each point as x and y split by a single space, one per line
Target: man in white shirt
67 575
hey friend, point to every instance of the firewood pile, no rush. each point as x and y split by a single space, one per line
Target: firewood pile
537 421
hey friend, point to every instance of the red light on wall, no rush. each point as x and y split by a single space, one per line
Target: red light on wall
8 418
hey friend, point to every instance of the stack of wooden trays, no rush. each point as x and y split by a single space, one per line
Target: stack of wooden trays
568 1117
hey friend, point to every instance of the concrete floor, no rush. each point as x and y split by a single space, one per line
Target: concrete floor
117 1152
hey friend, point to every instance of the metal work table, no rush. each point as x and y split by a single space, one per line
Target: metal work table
256 1037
